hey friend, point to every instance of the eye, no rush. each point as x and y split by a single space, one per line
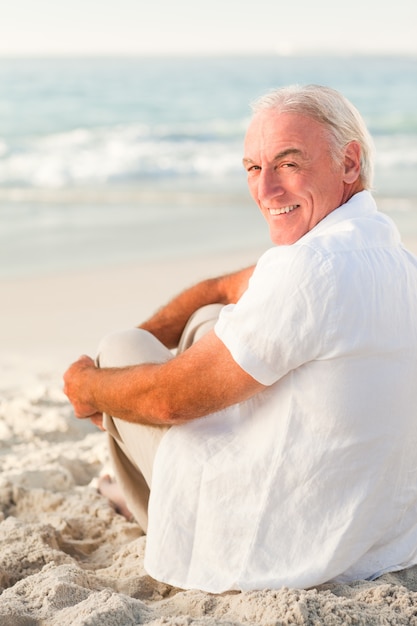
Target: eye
253 168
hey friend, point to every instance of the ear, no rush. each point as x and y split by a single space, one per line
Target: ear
352 162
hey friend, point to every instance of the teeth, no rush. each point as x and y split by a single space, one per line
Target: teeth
285 209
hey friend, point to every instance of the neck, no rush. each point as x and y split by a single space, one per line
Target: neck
350 189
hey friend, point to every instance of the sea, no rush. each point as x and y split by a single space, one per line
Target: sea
108 161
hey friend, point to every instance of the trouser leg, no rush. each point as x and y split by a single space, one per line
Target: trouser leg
132 447
128 443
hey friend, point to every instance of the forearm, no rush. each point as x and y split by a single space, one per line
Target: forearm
169 322
202 380
133 394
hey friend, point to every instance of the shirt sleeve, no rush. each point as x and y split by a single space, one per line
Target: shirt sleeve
285 318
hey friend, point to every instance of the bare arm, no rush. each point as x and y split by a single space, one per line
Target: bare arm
201 380
169 322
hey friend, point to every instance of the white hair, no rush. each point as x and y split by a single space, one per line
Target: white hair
330 108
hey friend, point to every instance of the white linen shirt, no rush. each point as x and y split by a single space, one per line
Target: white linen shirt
315 478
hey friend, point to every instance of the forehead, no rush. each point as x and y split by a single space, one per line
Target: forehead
271 130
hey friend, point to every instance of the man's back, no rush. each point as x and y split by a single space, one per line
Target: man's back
314 478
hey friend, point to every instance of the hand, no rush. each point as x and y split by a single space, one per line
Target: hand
77 388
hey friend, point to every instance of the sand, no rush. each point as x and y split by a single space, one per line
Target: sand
66 557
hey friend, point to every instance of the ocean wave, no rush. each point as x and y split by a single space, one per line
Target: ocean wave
396 151
121 154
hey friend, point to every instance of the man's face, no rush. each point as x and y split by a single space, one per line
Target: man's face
291 175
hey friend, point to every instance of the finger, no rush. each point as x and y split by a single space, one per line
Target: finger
97 420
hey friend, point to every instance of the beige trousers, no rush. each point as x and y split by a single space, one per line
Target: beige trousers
132 447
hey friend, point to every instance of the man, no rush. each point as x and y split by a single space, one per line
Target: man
280 444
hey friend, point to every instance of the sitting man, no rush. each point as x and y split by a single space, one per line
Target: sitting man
278 446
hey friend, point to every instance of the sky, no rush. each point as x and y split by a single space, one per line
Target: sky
193 27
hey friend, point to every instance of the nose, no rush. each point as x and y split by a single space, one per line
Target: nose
269 186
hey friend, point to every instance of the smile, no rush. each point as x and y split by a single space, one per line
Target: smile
285 209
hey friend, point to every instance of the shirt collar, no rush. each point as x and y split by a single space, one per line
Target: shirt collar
359 205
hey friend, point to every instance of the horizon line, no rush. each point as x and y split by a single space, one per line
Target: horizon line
197 55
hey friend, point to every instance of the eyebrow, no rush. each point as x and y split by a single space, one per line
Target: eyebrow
287 152
279 156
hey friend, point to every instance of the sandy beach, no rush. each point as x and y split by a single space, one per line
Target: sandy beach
66 556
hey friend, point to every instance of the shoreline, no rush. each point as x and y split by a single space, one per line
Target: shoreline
61 315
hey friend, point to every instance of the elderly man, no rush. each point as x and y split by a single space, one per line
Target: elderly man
280 439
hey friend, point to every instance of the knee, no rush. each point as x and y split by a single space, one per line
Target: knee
114 349
130 347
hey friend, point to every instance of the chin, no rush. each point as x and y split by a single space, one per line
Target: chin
284 241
